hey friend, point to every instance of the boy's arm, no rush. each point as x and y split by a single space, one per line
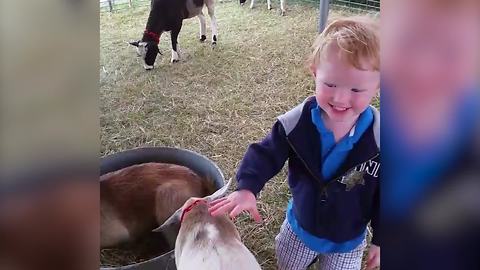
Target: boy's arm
375 222
263 160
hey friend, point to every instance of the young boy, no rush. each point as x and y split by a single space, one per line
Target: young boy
331 142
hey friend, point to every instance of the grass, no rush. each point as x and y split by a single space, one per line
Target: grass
215 102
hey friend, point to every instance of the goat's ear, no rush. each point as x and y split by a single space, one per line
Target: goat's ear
173 219
219 193
134 43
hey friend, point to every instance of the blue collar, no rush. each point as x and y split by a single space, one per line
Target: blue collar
363 122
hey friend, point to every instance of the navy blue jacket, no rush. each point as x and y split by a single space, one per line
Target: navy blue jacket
326 208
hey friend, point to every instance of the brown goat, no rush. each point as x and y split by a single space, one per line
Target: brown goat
136 199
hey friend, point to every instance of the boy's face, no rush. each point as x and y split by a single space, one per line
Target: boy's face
343 91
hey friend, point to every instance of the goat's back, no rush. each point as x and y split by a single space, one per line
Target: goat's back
134 200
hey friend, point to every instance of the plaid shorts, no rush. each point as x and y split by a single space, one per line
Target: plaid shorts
292 254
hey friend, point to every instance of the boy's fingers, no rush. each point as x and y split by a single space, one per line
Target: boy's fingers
235 212
217 201
372 262
218 205
369 264
255 214
220 208
370 256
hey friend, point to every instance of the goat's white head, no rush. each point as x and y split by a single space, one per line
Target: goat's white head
177 215
148 51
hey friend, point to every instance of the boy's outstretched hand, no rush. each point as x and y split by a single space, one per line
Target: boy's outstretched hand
373 259
236 203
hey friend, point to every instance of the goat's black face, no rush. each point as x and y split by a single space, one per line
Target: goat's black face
148 51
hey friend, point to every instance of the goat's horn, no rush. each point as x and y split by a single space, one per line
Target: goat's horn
219 193
174 218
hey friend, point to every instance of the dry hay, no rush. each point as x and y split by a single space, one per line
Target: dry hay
148 247
214 102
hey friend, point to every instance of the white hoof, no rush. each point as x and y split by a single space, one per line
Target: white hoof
175 57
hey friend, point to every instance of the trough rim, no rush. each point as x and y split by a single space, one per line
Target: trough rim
106 167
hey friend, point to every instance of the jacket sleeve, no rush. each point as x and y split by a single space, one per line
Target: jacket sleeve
375 222
263 160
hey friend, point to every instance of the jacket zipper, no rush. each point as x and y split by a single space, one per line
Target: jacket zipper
323 185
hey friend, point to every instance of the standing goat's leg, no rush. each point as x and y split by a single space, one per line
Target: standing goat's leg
175 32
201 20
252 3
269 4
110 5
211 13
282 7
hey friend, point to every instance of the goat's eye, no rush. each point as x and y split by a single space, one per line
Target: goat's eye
331 85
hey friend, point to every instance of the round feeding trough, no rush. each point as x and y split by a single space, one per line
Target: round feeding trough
198 163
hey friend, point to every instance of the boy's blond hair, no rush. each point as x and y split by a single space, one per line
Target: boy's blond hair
356 37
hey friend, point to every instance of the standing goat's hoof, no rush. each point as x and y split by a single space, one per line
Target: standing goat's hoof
203 38
269 8
282 13
214 42
174 61
175 57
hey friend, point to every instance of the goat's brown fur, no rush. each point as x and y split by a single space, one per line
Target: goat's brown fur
140 197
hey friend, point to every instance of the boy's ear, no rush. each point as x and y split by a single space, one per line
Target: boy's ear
313 70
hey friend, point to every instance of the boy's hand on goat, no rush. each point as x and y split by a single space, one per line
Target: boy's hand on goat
236 203
373 259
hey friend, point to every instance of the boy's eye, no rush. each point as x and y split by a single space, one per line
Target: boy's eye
330 85
357 90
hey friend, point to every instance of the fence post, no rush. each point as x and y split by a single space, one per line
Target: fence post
322 18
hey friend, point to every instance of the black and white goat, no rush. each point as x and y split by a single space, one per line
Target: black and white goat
269 5
168 15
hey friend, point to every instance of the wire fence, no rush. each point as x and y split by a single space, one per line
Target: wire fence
117 5
358 4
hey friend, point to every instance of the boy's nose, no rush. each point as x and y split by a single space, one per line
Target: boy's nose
341 96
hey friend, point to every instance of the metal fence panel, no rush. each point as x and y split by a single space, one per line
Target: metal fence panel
358 4
115 5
